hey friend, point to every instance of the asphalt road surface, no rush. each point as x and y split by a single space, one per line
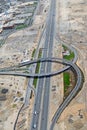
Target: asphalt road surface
40 119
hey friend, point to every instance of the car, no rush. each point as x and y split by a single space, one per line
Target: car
35 113
34 126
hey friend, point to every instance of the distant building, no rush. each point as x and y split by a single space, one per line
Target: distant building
21 16
8 26
18 22
26 4
66 53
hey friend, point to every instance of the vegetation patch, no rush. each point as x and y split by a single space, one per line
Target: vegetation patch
68 85
64 47
37 68
35 82
33 52
71 54
21 26
66 77
69 57
14 105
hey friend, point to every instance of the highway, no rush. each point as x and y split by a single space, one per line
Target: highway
40 75
43 86
41 104
46 95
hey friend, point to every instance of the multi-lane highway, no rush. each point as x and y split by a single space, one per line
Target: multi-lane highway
39 120
46 95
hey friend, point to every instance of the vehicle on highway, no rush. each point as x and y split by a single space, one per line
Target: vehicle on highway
35 113
34 126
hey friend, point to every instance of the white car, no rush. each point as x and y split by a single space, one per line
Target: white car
34 126
35 112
